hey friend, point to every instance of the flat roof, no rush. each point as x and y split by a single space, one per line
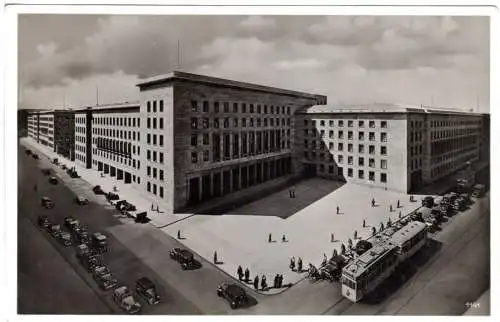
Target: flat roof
382 108
208 80
407 232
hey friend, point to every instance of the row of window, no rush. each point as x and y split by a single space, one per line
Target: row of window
443 123
154 137
451 133
153 188
151 106
79 129
80 157
350 123
117 121
227 107
415 136
80 119
118 158
227 122
350 159
350 173
119 134
350 135
134 177
350 147
154 156
416 150
154 173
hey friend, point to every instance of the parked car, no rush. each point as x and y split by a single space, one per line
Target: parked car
112 196
100 270
28 152
81 200
35 156
124 205
65 238
106 281
72 173
81 235
64 167
142 218
234 294
125 300
99 242
333 268
46 171
55 161
145 288
183 256
98 190
68 220
47 203
53 180
91 260
54 230
478 191
428 202
82 251
73 224
43 221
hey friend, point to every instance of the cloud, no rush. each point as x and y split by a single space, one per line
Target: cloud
348 58
257 22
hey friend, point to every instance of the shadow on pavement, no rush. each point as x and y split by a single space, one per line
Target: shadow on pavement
403 273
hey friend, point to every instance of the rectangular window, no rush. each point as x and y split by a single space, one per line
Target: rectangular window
161 106
350 135
383 177
149 106
371 163
148 170
205 155
154 173
341 135
330 145
205 138
383 137
154 123
194 123
154 106
372 124
372 136
161 140
154 139
340 158
194 140
148 138
216 107
148 154
235 107
361 161
340 147
361 148
226 107
206 123
161 157
194 157
350 123
205 106
349 172
350 160
383 164
383 150
341 123
371 149
383 124
361 174
361 136
149 123
194 106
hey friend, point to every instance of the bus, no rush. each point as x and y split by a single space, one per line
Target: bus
368 271
409 239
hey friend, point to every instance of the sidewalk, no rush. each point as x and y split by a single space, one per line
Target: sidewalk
125 191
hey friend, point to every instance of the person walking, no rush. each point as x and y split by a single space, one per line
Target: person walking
215 257
283 238
179 234
299 265
247 275
240 272
332 238
256 282
292 263
338 209
398 204
152 207
373 202
275 282
390 208
263 283
293 192
269 239
364 223
280 281
290 193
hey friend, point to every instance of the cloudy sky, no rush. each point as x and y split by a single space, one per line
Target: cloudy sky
442 61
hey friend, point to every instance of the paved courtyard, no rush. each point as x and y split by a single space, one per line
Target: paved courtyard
241 236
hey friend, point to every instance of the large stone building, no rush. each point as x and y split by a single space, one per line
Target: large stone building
193 138
388 146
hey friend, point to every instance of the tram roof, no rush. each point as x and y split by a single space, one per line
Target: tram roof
407 232
363 262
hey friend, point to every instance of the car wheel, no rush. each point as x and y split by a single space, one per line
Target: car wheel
233 305
219 293
184 267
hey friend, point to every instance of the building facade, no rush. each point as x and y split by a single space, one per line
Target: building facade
207 137
64 133
46 129
385 145
33 129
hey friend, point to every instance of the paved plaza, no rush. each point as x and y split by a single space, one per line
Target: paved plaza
241 236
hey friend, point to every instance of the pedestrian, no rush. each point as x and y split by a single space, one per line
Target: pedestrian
335 253
364 223
400 214
299 265
374 231
342 249
240 272
263 283
373 202
292 263
398 203
215 257
280 280
270 238
283 238
290 193
247 274
256 283
179 234
355 234
332 238
390 208
338 209
152 207
275 282
293 192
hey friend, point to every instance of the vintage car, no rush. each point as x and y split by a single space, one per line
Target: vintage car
142 218
35 156
55 161
68 221
183 256
65 238
53 180
112 196
428 202
234 294
146 289
124 205
98 190
81 235
333 268
125 300
73 174
91 260
28 152
479 190
80 200
82 250
99 242
47 203
54 230
106 281
43 221
100 270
